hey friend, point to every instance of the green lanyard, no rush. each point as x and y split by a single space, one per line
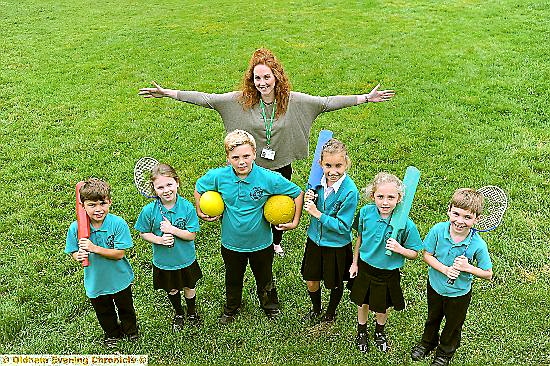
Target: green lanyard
268 122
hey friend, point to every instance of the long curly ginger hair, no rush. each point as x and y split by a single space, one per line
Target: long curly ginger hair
251 96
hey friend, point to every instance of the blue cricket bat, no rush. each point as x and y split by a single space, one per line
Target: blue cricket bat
316 172
400 214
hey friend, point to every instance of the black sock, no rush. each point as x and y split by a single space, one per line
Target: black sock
379 328
176 302
361 328
335 297
315 299
190 305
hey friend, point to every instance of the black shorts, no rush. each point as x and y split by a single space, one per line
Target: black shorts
178 278
378 288
327 264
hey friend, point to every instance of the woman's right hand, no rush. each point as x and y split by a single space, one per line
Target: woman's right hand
156 92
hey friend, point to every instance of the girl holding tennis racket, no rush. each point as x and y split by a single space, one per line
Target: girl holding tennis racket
170 223
451 249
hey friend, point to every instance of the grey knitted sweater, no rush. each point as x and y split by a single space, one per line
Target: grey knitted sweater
290 133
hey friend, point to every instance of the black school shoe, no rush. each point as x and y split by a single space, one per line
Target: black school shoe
177 323
194 319
441 360
226 319
328 318
419 352
362 342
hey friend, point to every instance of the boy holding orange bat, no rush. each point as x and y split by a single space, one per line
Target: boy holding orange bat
108 278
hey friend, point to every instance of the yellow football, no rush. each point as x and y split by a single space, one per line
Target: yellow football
211 203
279 209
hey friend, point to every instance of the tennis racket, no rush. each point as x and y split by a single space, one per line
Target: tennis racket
495 203
82 221
142 181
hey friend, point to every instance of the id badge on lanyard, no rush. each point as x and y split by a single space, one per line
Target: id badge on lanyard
268 152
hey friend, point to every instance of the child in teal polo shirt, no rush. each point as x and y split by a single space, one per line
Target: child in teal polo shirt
377 283
328 252
171 224
451 249
108 278
245 234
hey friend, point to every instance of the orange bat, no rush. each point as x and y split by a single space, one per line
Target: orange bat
82 220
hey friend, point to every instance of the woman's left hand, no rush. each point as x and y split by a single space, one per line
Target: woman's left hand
376 96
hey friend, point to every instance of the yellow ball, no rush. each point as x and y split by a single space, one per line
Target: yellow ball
279 209
211 203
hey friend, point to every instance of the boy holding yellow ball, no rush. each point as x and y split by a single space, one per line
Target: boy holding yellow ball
245 233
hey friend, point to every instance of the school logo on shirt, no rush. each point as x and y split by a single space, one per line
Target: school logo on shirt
111 241
256 193
180 223
336 207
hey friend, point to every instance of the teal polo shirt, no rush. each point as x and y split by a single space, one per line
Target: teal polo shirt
105 276
375 231
183 216
438 242
244 228
333 228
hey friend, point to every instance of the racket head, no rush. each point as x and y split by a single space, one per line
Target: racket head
142 176
495 203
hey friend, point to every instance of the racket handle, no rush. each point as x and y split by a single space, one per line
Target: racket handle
85 262
388 252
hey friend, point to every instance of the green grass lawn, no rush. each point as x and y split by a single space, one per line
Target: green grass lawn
472 105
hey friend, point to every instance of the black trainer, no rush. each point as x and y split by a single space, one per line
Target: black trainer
272 313
362 342
441 360
110 342
381 342
419 352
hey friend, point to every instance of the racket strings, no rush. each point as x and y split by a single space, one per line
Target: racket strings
142 176
495 204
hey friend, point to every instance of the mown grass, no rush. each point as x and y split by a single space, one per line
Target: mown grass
471 109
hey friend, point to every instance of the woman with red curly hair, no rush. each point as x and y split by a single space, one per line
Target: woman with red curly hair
279 119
